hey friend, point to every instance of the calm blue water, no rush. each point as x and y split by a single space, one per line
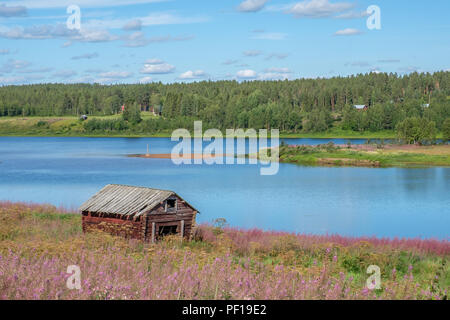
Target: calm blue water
349 201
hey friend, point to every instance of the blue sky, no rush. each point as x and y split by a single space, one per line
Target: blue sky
139 41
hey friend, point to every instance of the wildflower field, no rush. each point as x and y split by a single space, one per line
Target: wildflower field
39 242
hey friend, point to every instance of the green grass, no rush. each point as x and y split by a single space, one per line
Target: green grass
377 158
70 126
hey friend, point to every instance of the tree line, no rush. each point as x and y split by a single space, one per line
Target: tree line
307 105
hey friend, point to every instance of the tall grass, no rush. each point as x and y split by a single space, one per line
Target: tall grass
38 243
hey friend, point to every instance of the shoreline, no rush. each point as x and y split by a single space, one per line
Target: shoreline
388 156
164 135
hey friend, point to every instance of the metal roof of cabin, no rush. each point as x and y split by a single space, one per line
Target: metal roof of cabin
359 106
126 200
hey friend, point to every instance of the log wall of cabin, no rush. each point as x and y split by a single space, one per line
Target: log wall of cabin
160 217
117 226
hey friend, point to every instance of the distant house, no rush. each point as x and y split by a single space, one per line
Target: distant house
361 107
426 105
137 212
84 117
156 110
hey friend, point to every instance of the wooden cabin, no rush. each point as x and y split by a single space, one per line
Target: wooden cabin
138 213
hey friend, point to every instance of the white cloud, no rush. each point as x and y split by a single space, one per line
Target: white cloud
408 69
35 70
4 51
40 4
112 76
157 68
154 61
278 56
375 70
246 74
12 11
230 62
145 80
58 31
95 36
154 19
352 15
134 24
275 74
13 65
66 44
116 74
65 74
278 70
192 75
12 80
86 56
252 5
138 39
319 8
252 53
347 32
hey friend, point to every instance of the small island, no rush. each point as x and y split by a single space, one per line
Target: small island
363 155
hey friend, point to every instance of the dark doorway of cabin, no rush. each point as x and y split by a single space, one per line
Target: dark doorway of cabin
167 230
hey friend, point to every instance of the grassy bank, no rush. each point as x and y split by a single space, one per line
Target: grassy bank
366 155
73 127
38 243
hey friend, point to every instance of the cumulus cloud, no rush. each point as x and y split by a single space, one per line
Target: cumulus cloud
347 32
198 74
12 11
246 74
252 5
157 67
318 8
86 56
135 24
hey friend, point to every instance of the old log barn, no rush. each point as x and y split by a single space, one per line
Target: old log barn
139 213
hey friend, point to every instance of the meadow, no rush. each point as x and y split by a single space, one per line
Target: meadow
39 242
